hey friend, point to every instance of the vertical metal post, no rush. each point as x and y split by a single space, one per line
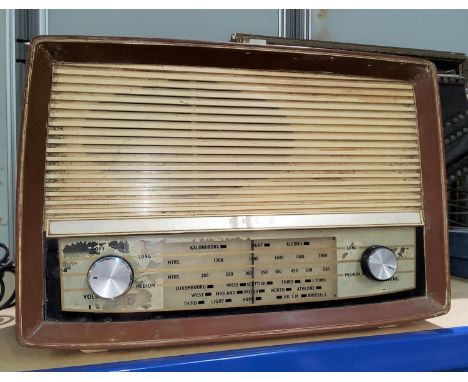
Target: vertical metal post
295 23
21 26
43 21
282 23
11 118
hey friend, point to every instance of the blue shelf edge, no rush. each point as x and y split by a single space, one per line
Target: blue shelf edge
429 350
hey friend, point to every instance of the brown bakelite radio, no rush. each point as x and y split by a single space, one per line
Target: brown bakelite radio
180 192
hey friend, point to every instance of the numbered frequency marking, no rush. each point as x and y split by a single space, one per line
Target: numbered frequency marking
204 274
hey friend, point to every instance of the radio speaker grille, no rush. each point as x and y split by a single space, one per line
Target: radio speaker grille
134 140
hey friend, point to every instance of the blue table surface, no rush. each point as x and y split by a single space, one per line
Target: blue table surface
429 350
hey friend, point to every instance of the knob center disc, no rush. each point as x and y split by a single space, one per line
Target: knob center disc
110 277
382 264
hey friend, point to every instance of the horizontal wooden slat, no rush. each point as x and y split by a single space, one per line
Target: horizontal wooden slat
228 134
130 193
355 118
323 102
317 96
217 207
221 170
230 110
318 125
131 83
144 140
277 175
174 159
120 75
240 143
144 181
187 200
217 70
260 151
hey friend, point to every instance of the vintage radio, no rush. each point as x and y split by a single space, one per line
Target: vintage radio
176 192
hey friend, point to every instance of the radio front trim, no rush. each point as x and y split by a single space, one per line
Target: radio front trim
64 228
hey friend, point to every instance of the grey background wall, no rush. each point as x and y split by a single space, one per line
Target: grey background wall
431 29
424 29
214 25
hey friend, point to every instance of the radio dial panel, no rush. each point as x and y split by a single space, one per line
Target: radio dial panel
185 272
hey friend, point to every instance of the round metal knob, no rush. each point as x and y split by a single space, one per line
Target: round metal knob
110 277
379 263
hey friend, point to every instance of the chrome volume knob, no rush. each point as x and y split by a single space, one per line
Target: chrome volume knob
379 263
110 277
